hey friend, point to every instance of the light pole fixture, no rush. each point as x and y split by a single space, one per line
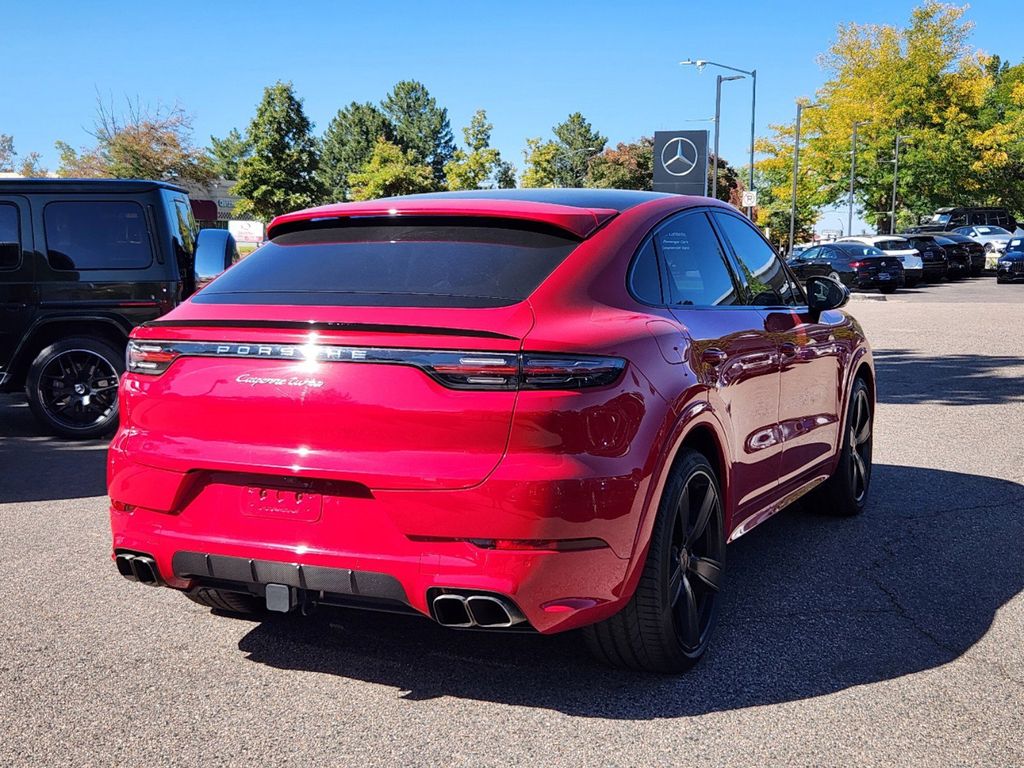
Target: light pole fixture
718 123
853 170
700 64
895 178
800 107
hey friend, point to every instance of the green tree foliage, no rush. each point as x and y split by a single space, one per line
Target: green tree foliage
577 143
564 161
138 143
540 159
347 145
628 166
420 126
280 174
923 81
391 171
11 162
480 164
228 153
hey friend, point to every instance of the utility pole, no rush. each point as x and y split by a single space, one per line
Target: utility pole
853 172
895 178
800 107
718 119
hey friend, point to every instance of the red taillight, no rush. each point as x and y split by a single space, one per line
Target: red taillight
149 358
857 264
456 370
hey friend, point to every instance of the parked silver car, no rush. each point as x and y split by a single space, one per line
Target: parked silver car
993 238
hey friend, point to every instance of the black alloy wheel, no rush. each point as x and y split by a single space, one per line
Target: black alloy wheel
696 562
72 387
668 623
845 493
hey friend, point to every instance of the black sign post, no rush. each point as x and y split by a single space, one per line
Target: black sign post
681 162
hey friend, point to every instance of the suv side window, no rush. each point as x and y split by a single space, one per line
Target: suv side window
183 236
696 271
768 282
644 279
94 234
812 254
10 237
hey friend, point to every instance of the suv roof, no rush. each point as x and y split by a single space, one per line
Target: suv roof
124 186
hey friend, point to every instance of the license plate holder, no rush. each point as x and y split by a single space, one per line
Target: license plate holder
884 276
295 504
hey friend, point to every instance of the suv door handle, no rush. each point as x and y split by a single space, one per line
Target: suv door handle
713 356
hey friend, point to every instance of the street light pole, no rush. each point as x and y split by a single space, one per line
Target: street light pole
800 107
853 171
718 120
700 64
895 178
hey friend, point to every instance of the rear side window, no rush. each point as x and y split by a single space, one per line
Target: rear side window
97 235
10 237
416 262
645 280
695 265
767 280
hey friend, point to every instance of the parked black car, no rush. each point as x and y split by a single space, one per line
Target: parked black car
975 251
1010 266
853 264
948 219
81 263
933 256
957 257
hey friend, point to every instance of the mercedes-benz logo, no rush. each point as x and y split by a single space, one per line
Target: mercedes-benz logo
679 156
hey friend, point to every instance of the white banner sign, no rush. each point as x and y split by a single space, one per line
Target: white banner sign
246 231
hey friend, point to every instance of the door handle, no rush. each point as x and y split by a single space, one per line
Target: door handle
713 356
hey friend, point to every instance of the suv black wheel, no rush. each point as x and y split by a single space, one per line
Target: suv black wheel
667 624
72 387
845 493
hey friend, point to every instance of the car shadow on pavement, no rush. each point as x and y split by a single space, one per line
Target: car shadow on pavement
37 467
906 377
814 605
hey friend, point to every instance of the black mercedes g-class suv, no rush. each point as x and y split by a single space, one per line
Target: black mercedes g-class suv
81 263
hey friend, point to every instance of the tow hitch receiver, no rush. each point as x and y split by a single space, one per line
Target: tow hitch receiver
281 598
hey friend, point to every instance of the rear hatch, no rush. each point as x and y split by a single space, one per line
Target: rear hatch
383 352
878 267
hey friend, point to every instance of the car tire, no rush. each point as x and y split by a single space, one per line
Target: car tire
72 387
668 622
845 493
227 602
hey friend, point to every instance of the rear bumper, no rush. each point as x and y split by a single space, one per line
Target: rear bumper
376 546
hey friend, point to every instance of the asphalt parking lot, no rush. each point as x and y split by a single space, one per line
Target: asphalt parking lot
896 638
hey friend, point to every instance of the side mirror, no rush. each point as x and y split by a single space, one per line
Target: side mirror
215 251
824 293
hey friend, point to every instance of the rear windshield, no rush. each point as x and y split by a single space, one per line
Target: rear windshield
412 263
892 245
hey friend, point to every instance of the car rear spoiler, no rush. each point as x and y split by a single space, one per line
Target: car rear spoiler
581 222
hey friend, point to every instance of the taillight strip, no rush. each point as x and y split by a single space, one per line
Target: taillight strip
454 369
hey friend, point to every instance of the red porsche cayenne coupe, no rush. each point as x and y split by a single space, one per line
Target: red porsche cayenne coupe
508 410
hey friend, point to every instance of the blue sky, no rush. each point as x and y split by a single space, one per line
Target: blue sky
527 63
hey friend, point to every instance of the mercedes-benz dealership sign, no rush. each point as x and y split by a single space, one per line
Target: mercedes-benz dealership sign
681 162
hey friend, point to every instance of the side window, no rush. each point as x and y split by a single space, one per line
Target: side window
10 237
97 235
183 235
645 280
811 254
767 280
957 220
978 217
999 219
696 270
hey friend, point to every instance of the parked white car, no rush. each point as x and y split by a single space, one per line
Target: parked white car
891 245
993 238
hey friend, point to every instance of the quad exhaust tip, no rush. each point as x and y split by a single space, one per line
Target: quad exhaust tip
140 568
485 611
